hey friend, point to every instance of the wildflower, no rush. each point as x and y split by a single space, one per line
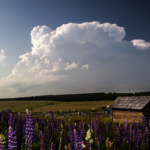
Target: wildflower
12 139
20 132
42 145
29 131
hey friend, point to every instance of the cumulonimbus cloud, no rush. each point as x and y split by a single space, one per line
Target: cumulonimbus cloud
71 48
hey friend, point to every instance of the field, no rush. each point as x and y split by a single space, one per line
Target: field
68 132
46 106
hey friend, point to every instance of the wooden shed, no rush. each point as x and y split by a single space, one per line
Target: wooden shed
131 108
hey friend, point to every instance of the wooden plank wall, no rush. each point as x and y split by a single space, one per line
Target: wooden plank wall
121 116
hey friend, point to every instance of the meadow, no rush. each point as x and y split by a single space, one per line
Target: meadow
54 106
25 131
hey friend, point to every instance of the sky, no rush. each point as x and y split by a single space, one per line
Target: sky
71 47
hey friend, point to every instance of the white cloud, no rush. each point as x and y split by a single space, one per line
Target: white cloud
88 55
85 66
37 66
46 61
141 44
60 60
72 66
36 62
2 58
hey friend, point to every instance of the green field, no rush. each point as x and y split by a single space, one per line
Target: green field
46 106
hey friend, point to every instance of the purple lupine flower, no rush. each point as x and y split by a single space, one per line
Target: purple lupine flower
117 139
79 137
52 118
130 136
75 139
19 132
42 145
71 137
139 142
135 135
96 142
29 130
74 135
82 136
12 139
101 138
145 138
125 131
97 124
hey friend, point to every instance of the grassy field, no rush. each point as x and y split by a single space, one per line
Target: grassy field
46 106
39 107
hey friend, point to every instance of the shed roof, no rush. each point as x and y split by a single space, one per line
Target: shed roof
130 102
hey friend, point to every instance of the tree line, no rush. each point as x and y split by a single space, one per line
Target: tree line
77 97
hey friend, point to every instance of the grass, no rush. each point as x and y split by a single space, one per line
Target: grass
45 106
42 107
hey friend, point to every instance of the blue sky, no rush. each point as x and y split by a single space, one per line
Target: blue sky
67 47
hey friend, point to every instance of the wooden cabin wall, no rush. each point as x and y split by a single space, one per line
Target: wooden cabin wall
146 111
121 116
